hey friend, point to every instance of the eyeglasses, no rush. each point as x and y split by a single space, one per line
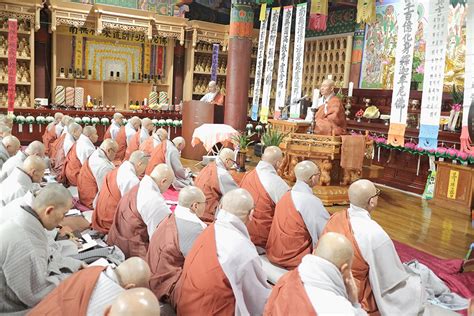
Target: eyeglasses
377 193
315 175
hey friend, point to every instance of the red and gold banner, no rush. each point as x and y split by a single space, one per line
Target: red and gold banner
12 45
318 15
241 21
159 60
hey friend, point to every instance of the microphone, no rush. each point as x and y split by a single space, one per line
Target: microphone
300 99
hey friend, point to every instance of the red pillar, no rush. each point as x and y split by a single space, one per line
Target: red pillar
178 72
238 65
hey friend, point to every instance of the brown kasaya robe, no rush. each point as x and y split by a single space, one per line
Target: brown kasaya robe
134 144
340 223
49 136
158 156
107 202
289 239
86 185
334 121
107 133
55 145
148 145
208 182
121 140
59 160
72 166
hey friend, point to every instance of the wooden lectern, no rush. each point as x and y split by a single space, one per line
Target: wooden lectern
196 113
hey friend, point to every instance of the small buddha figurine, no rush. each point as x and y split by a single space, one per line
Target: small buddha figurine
26 102
3 72
26 76
25 52
19 73
3 45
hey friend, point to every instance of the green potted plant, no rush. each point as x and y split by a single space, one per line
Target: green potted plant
242 141
271 137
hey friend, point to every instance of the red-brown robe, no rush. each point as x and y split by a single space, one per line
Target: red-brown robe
165 260
289 297
72 166
289 239
158 156
259 226
340 223
121 140
59 160
218 99
332 122
133 144
49 136
208 182
71 296
128 230
107 201
203 287
107 133
148 145
55 145
86 185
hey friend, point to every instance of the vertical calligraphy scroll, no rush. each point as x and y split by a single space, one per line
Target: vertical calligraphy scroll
268 78
159 60
298 56
259 67
78 53
436 41
147 59
283 61
403 62
215 61
12 46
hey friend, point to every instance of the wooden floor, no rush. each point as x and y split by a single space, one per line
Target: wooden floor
413 221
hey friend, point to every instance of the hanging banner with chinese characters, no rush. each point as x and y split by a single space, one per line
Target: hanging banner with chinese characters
78 54
268 78
259 67
468 80
215 61
12 46
436 43
283 60
159 60
147 58
298 57
407 18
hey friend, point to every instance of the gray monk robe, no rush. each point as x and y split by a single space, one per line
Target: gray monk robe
29 268
183 177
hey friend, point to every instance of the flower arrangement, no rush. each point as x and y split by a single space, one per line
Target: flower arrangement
155 122
161 122
169 122
124 121
259 129
95 120
86 120
78 120
105 121
49 119
41 120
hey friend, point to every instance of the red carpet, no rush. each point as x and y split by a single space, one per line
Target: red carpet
446 269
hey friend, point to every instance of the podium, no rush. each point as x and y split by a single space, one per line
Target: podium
196 113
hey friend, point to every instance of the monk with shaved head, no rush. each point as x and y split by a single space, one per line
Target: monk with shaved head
9 146
124 135
91 290
22 180
50 134
215 181
61 131
140 301
115 125
322 285
223 273
299 219
72 134
172 241
266 188
140 211
140 137
29 268
114 186
35 148
94 170
79 153
5 130
159 136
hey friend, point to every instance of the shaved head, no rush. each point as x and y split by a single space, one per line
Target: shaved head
163 176
362 193
140 160
110 148
273 156
135 122
12 144
91 133
66 120
307 172
51 204
133 272
327 87
147 124
238 202
190 195
335 248
35 148
227 156
58 116
5 130
140 301
6 120
162 133
75 130
34 166
118 116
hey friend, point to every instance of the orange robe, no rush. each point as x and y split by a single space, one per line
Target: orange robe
158 156
165 260
133 145
203 287
289 297
71 296
208 182
121 140
128 230
107 133
340 223
259 226
49 136
289 239
148 145
107 202
72 166
86 185
55 145
332 122
59 160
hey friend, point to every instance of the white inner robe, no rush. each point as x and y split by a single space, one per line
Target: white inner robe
84 148
275 186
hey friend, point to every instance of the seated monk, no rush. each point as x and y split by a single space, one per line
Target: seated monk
139 212
156 138
94 170
115 185
213 96
35 148
215 181
4 131
299 219
172 241
170 152
266 188
223 273
322 285
22 180
61 129
330 117
79 153
385 284
29 269
139 301
72 134
50 134
6 120
9 147
115 125
91 290
124 135
139 138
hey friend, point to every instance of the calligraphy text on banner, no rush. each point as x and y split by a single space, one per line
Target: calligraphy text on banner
453 184
298 56
12 48
259 67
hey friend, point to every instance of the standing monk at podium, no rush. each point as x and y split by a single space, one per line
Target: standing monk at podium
330 118
213 96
